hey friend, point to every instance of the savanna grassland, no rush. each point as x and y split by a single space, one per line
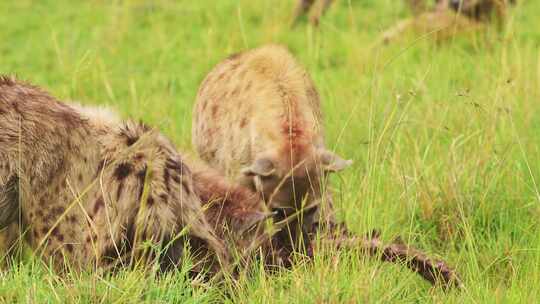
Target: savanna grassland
445 137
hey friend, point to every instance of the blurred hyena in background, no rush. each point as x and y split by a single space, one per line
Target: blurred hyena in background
93 194
257 118
444 19
478 10
431 15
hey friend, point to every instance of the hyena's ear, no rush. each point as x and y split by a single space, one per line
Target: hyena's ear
260 167
331 162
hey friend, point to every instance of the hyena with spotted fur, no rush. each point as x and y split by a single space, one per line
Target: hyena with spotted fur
90 193
257 118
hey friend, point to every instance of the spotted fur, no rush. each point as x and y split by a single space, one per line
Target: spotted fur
233 210
94 194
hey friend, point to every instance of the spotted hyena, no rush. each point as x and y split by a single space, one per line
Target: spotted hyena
90 193
257 119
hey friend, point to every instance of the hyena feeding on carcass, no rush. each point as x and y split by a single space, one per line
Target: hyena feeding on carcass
87 191
257 119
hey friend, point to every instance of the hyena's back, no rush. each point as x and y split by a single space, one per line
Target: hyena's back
253 102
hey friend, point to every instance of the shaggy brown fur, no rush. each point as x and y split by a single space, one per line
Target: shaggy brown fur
91 194
233 210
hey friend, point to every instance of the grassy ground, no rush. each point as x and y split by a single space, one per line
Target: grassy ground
445 137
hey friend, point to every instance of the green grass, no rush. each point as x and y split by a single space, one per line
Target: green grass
445 137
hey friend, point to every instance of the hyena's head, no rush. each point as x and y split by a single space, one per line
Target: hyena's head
292 185
242 217
234 211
